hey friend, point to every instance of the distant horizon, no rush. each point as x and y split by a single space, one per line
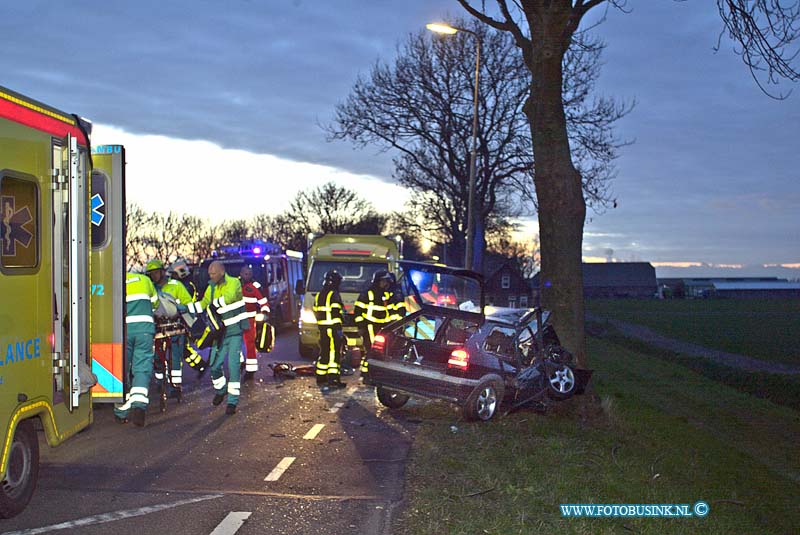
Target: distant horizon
691 270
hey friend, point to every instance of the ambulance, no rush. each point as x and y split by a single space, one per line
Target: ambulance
45 357
356 258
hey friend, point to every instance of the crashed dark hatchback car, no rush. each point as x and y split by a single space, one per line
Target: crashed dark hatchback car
452 347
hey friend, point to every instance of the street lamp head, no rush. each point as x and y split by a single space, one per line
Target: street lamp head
441 28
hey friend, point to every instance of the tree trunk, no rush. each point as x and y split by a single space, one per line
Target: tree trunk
562 208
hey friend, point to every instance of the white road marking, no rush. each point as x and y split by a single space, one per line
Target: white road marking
278 471
231 523
336 407
115 515
313 432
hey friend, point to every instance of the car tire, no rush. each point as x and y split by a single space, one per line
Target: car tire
390 398
308 352
561 382
484 402
20 478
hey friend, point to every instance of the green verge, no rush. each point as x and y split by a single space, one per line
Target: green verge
782 389
667 435
762 328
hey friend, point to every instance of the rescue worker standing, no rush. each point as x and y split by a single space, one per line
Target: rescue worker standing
395 300
329 312
372 312
257 310
140 302
155 270
224 295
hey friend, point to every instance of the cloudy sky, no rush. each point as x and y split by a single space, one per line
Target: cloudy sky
213 96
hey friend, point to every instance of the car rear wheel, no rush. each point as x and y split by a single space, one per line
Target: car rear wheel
483 402
561 382
390 398
20 478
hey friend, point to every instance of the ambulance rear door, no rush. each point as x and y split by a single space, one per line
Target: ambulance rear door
70 269
108 273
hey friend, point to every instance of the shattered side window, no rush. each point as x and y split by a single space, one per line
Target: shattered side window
500 341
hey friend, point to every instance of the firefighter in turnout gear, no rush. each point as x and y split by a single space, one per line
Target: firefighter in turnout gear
163 283
395 300
224 294
141 300
329 312
180 271
372 312
257 310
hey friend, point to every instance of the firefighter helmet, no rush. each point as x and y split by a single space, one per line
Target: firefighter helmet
153 265
180 268
380 275
332 278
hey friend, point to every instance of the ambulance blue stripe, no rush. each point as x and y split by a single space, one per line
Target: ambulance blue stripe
106 378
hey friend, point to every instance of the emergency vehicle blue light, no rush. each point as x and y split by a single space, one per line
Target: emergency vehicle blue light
256 250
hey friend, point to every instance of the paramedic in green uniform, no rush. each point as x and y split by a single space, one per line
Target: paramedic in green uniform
141 300
224 295
163 283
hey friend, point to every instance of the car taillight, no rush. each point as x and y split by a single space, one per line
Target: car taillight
379 342
459 359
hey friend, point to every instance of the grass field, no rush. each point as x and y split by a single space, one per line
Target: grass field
768 329
667 435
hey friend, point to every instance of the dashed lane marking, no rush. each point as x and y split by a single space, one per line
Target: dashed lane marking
231 523
337 406
278 471
115 515
313 432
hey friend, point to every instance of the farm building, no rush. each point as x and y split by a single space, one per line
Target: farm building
615 279
733 287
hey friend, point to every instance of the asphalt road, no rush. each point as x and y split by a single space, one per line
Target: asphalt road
292 460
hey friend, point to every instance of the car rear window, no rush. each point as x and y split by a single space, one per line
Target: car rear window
458 331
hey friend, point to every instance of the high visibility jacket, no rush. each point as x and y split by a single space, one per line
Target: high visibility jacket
254 301
328 308
177 290
227 300
396 304
371 307
141 299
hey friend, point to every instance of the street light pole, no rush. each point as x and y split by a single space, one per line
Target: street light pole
471 198
449 30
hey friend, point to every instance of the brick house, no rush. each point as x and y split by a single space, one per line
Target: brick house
504 284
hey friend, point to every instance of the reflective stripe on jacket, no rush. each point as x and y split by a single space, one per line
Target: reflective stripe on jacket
371 307
226 299
141 299
328 308
254 300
